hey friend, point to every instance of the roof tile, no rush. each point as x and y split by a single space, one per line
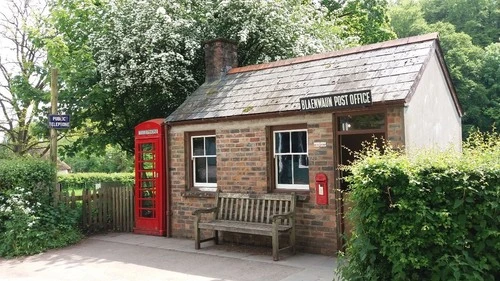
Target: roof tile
388 69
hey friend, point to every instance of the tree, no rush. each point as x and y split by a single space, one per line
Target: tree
124 62
23 92
474 70
366 19
407 19
490 77
480 19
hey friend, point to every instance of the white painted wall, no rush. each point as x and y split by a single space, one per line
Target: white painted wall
431 118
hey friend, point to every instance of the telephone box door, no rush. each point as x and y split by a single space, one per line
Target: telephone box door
149 178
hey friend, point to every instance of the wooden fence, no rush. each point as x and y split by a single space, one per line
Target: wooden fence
105 209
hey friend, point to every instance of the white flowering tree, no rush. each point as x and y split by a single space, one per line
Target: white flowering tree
127 61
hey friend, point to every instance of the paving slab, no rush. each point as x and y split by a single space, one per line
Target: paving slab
126 256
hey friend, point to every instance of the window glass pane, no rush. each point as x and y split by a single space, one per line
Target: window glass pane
299 141
282 142
210 146
200 169
300 169
362 122
212 169
284 169
198 147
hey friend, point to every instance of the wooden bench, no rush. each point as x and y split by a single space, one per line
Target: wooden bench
260 214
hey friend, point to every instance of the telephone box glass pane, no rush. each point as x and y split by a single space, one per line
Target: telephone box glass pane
210 146
147 156
201 169
147 204
147 213
282 142
147 194
147 147
147 166
300 169
147 184
284 167
198 147
212 169
147 175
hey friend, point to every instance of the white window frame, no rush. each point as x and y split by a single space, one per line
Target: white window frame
203 186
289 186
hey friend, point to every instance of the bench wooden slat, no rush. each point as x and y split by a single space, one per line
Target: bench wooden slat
242 227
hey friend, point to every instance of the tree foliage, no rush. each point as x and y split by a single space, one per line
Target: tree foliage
478 18
23 78
124 62
473 67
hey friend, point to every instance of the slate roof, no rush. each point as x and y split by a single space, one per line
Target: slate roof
391 71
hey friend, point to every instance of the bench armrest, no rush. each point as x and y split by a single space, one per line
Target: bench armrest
288 215
204 211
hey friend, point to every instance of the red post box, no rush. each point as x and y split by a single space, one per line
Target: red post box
321 182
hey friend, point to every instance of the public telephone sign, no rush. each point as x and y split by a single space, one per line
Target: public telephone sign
57 121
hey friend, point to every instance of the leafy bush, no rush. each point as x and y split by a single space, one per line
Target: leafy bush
434 216
29 228
39 175
86 180
30 222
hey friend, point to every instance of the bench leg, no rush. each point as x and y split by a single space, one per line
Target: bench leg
276 246
197 238
292 240
216 237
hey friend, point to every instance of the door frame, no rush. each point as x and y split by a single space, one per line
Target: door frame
337 133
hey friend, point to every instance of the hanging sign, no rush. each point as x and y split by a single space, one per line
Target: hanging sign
352 99
57 121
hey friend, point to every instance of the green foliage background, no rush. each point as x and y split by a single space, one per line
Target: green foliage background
30 222
469 32
435 216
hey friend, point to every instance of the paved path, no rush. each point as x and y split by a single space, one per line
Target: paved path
139 257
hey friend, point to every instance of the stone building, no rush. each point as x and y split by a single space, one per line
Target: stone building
273 127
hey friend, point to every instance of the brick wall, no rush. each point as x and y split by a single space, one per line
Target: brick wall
395 126
242 161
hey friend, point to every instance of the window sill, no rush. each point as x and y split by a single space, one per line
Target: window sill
198 194
302 195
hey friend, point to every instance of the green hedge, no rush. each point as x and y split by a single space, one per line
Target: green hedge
432 217
38 175
30 222
82 180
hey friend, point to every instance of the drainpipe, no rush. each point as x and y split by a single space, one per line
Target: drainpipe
168 190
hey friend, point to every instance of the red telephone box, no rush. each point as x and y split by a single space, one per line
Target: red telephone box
150 192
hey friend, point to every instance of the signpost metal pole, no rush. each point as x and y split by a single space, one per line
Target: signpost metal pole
53 131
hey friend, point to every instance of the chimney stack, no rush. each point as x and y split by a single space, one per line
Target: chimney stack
220 56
